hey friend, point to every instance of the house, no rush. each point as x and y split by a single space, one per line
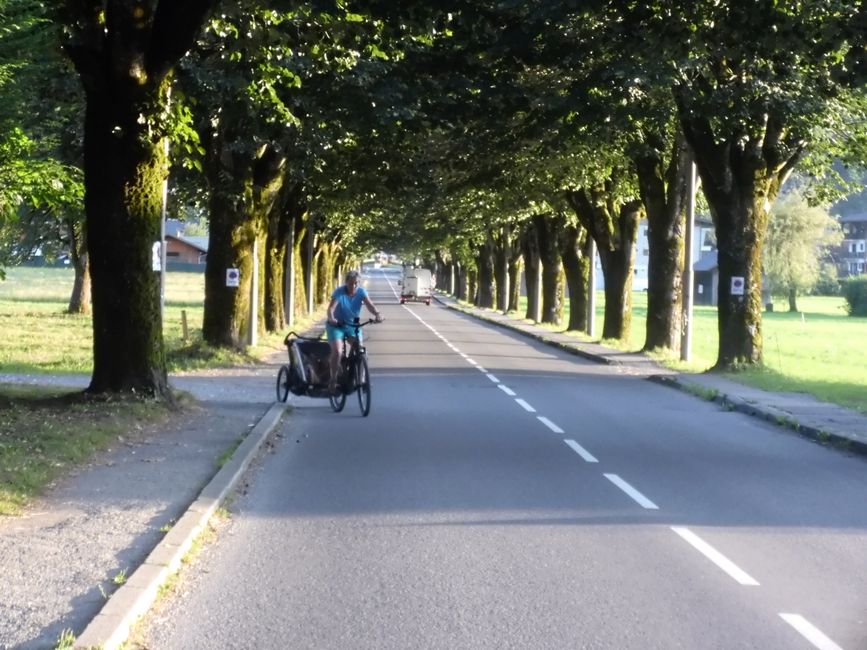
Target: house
186 250
705 279
850 256
183 250
703 241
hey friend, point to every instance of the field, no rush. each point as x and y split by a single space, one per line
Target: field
40 338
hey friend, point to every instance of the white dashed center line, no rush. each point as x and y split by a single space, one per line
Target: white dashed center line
493 379
716 557
810 632
549 424
636 496
524 405
508 391
578 449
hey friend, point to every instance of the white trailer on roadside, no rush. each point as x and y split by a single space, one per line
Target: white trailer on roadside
416 286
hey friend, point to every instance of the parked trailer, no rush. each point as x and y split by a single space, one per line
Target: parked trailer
416 286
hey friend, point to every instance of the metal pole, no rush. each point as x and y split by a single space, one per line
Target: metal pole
591 292
164 208
289 277
686 284
310 235
253 334
537 314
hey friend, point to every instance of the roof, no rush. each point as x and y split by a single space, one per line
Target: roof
707 262
199 243
173 227
858 217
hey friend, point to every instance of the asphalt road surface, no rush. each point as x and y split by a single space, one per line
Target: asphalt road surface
503 494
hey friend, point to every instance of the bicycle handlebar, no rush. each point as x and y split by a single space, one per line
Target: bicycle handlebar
358 325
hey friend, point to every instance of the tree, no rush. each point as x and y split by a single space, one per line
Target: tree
799 236
751 110
124 53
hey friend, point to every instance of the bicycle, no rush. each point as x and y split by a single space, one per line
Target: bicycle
353 373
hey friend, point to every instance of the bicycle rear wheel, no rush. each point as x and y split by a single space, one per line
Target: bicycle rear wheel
362 381
283 384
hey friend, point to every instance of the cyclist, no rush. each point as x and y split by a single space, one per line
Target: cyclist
344 308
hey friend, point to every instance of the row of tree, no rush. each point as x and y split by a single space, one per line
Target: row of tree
469 130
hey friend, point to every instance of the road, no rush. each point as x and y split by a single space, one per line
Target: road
503 494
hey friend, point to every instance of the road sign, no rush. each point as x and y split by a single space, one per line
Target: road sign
233 277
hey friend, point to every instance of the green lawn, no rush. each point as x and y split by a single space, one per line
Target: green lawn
819 350
39 337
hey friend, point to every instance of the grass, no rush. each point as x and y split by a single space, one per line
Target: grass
45 432
40 338
818 350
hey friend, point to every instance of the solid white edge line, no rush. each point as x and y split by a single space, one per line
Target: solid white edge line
636 496
493 379
810 632
578 449
739 575
549 424
524 405
508 391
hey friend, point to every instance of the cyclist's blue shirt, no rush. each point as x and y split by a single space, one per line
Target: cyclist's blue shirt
348 307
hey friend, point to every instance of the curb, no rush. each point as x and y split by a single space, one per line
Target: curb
562 346
111 627
779 418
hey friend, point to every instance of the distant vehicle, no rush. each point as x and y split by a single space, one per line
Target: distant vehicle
416 285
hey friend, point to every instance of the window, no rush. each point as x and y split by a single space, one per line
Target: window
860 246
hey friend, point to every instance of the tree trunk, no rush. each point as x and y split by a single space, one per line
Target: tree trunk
793 299
613 224
485 266
281 222
530 253
472 285
516 267
299 256
663 193
576 263
502 257
242 194
740 178
461 288
548 231
124 172
124 64
79 299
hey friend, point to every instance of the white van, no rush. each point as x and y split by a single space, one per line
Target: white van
416 286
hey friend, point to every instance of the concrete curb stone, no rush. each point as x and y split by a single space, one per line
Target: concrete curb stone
111 627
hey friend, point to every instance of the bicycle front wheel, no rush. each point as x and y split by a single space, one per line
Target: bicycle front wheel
283 384
362 381
338 399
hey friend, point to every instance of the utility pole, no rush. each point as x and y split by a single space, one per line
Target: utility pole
687 282
591 292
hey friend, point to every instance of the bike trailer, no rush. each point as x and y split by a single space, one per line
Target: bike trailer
309 365
416 286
